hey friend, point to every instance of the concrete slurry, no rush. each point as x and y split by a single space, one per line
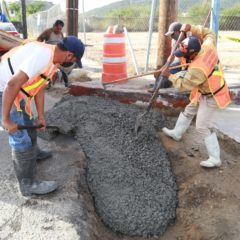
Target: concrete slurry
129 175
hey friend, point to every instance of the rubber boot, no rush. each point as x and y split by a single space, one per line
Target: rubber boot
213 150
25 168
180 128
41 154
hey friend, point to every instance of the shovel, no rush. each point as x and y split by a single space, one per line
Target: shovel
154 96
155 93
31 127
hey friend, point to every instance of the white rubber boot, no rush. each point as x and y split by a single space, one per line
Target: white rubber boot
180 128
213 149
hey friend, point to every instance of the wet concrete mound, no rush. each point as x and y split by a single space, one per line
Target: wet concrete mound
129 176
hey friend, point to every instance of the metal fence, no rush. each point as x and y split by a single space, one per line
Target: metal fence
189 11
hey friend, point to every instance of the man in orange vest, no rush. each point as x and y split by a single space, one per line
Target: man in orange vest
209 91
25 72
174 30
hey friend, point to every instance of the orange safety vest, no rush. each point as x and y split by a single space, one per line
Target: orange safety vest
207 61
35 84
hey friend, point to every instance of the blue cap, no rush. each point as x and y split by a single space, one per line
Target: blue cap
74 45
187 47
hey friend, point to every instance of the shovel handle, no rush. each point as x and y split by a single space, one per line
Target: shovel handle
22 127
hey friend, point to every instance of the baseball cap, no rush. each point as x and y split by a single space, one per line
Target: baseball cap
175 26
74 45
188 46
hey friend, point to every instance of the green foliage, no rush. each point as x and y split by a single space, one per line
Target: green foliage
130 11
34 7
199 10
15 8
31 8
198 13
232 11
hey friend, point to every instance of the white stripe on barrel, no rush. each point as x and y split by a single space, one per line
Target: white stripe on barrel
114 59
114 40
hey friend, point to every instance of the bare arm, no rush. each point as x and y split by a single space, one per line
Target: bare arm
9 94
44 36
39 101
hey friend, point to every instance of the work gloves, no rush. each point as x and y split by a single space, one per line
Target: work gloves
165 83
165 74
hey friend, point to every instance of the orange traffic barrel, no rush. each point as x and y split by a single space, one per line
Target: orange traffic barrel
114 55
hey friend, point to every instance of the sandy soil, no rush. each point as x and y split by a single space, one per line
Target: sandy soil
208 198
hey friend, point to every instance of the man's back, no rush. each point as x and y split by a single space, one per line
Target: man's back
3 18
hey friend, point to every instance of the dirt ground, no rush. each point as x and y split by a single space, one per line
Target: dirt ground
208 198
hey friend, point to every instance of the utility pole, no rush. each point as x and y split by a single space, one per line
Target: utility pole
167 15
214 22
24 19
72 17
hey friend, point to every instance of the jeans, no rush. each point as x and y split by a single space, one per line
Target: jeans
19 140
176 62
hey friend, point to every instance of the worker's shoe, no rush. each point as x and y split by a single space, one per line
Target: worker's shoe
213 150
43 154
180 128
38 187
25 168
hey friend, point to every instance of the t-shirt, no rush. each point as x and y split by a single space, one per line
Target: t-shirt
3 18
31 58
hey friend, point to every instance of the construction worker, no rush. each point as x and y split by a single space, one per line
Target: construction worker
52 35
173 32
209 91
25 72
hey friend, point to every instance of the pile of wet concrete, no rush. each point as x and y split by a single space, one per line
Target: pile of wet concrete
129 175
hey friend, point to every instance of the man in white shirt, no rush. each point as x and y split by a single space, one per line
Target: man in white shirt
25 72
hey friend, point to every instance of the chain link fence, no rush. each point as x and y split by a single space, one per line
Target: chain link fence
195 12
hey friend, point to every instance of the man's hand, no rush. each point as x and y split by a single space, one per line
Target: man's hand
185 28
165 72
11 127
41 121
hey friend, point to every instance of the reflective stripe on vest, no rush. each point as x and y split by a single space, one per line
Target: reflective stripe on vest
37 83
207 61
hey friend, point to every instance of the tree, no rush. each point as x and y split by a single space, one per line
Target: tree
34 7
198 13
16 9
232 11
31 8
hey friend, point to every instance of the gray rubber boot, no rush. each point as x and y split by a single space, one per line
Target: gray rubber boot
25 168
41 154
213 149
180 128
